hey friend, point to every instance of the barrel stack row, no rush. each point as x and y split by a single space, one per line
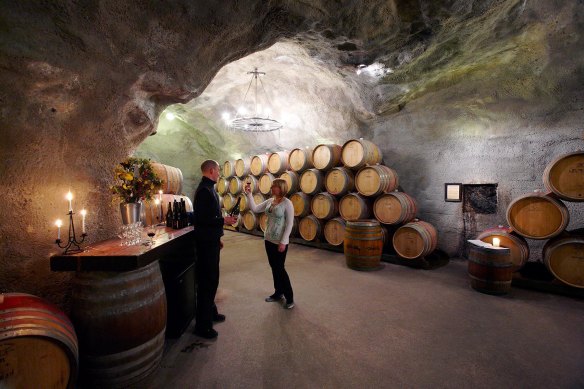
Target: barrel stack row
330 186
544 216
172 186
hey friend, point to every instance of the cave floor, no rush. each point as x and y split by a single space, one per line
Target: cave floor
395 327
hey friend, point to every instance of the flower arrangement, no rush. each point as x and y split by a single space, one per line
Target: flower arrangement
136 180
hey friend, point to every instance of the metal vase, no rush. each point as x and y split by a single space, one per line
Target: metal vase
131 212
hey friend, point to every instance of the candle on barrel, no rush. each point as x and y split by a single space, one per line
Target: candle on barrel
83 213
496 242
59 223
69 197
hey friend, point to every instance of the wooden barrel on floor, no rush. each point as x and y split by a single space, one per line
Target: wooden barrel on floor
375 180
266 183
222 186
334 231
564 176
278 162
490 269
415 240
263 221
324 206
310 228
250 220
300 159
354 206
235 186
516 243
394 208
537 216
228 169
357 153
38 344
363 244
292 180
301 203
325 157
172 178
259 164
242 167
564 258
311 182
120 318
339 181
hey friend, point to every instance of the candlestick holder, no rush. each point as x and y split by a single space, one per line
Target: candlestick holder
72 245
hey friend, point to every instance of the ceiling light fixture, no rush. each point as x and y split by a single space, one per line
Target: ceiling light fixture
259 119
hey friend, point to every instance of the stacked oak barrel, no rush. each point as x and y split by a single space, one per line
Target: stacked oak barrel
172 187
544 216
329 186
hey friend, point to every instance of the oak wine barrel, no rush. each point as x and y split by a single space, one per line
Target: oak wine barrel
228 169
310 228
354 206
172 178
300 159
301 203
242 167
334 231
259 164
292 180
514 242
537 216
222 186
120 318
325 157
415 240
152 214
250 220
394 208
564 176
38 344
235 185
375 180
259 198
363 244
490 269
564 258
356 153
324 206
278 162
266 183
311 181
263 221
339 181
228 201
243 204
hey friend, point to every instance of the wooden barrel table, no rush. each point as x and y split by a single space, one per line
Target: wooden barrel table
363 244
517 244
38 344
490 269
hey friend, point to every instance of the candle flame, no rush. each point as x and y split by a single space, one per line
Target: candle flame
156 201
69 196
83 212
59 223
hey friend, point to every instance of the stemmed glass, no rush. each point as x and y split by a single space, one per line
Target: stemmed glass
152 233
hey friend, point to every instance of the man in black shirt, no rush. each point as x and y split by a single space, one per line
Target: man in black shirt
208 222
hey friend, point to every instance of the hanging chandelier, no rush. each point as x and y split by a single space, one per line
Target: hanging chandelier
259 120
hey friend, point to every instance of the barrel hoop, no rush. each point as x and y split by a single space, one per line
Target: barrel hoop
490 282
491 264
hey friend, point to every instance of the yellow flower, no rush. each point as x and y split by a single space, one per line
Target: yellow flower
128 177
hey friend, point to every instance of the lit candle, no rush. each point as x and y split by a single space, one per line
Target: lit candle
59 223
496 242
157 203
70 197
160 195
83 213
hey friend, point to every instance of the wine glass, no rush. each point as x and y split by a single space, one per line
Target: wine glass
151 234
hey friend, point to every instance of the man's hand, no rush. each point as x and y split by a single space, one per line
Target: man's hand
281 247
229 219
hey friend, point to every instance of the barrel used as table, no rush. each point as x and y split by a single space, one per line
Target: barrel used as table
363 244
490 269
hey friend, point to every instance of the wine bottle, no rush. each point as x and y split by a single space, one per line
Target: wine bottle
175 216
235 210
183 213
169 215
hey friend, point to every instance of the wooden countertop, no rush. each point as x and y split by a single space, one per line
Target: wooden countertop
108 255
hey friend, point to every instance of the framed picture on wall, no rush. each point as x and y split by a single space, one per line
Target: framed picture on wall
453 192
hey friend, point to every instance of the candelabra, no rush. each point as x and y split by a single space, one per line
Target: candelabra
72 245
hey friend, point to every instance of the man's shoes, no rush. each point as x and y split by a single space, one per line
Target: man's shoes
272 298
219 318
289 305
208 333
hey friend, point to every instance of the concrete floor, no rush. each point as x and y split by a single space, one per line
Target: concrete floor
398 327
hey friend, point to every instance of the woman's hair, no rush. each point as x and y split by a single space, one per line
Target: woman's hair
282 184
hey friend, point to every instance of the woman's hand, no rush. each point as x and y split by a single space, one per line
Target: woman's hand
281 247
247 188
